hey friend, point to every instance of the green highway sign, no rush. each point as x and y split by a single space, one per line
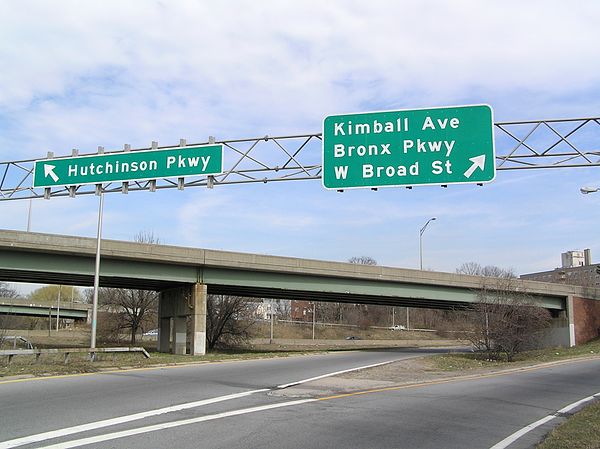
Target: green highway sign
450 145
129 166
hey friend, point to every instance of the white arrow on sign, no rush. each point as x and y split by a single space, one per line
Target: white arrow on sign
49 170
478 162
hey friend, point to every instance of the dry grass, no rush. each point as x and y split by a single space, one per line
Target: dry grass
294 331
79 363
581 431
471 361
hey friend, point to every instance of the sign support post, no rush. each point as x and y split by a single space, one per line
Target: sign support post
97 273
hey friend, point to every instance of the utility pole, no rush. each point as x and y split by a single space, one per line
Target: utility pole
58 308
271 313
314 315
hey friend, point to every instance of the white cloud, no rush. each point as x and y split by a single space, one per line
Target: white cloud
199 68
83 74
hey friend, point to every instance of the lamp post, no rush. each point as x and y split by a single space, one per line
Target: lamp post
420 261
421 240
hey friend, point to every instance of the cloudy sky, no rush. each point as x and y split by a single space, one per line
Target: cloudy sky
82 74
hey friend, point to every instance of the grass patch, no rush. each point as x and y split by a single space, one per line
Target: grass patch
472 361
79 363
581 431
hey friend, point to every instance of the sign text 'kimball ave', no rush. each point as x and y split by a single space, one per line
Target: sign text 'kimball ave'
452 145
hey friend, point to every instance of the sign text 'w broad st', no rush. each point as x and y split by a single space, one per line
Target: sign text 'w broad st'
129 166
440 146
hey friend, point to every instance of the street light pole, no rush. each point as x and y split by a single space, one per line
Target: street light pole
420 262
421 241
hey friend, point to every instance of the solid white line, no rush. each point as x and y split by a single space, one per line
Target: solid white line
172 424
291 384
120 420
128 418
518 434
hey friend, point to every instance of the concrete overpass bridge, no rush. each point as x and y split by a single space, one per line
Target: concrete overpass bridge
184 276
20 307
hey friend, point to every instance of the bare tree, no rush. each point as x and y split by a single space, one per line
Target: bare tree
6 291
228 319
505 321
475 269
133 309
362 260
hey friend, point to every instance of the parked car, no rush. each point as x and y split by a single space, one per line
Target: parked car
152 333
352 337
398 327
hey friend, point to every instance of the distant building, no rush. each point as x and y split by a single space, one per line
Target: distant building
301 310
572 259
576 269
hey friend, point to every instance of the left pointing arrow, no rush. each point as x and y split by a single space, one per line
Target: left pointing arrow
49 171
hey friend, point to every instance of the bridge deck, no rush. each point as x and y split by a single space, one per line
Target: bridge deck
33 257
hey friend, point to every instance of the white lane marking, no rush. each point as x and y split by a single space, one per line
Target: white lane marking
291 384
172 424
127 418
518 434
121 419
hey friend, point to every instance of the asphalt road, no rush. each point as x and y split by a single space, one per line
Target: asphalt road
474 413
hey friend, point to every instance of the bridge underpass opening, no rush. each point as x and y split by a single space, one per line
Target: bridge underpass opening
32 257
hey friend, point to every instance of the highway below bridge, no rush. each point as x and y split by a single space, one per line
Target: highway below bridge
280 403
184 276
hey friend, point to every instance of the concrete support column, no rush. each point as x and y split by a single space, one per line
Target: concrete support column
179 334
164 333
571 317
198 322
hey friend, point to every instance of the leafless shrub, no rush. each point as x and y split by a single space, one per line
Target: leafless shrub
228 319
504 321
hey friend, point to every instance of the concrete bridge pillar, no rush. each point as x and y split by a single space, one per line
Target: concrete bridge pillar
177 333
164 334
198 321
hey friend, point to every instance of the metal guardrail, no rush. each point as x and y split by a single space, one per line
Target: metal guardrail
66 352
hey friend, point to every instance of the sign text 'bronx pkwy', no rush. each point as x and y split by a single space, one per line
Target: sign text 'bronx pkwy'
407 148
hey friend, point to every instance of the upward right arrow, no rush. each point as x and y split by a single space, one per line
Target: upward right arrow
478 162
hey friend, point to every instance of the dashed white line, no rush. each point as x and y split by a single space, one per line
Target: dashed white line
291 384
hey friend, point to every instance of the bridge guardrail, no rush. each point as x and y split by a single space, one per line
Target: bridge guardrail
10 353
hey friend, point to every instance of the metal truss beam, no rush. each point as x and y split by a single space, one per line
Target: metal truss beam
521 145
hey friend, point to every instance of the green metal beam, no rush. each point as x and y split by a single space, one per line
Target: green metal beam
337 283
350 290
26 310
